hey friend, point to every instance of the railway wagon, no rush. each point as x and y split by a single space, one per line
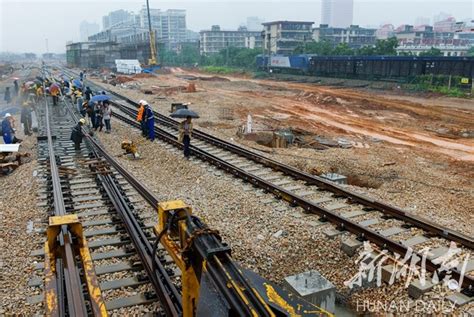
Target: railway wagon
390 66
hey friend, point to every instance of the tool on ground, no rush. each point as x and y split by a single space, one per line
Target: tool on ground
130 147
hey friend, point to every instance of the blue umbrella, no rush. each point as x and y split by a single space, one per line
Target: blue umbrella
77 83
98 98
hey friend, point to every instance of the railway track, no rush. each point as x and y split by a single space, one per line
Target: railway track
101 257
117 224
388 227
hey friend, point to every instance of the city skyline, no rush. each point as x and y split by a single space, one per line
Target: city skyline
227 14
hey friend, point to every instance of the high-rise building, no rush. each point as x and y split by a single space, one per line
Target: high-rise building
283 37
86 29
117 17
254 24
215 40
169 25
337 13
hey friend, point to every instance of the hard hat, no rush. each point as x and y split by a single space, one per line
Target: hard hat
7 115
142 102
82 120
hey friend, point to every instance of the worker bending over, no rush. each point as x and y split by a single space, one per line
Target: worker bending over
77 135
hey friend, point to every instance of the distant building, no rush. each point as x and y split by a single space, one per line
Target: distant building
446 49
214 40
448 25
422 21
87 29
441 17
116 17
409 34
337 13
92 55
192 36
282 37
126 27
465 32
386 31
254 24
354 36
169 25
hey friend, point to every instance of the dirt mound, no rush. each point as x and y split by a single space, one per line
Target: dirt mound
123 79
143 75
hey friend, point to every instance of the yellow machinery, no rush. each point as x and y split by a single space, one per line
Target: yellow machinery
63 293
212 283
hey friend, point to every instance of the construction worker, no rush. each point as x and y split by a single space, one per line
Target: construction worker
7 129
150 122
39 93
140 118
107 115
77 134
185 131
25 117
7 97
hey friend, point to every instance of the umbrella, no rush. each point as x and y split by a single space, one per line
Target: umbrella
39 78
15 78
29 83
184 113
77 83
98 98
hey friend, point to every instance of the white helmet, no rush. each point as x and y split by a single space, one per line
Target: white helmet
142 102
7 115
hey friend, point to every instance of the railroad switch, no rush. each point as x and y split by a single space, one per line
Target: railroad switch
63 230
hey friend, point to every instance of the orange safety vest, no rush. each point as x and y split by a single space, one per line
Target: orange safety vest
141 110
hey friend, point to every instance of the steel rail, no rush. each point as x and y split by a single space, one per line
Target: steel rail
341 222
69 272
363 233
393 211
167 293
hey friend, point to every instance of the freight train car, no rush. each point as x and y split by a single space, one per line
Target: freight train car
373 67
368 67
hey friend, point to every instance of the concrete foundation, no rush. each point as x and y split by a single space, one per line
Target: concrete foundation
350 246
314 288
336 178
416 289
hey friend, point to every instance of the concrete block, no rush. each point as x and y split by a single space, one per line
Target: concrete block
321 200
353 214
350 246
387 272
459 299
436 253
469 266
416 289
392 231
414 241
369 222
336 206
336 178
332 233
314 288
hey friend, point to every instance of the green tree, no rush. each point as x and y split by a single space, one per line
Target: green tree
343 49
386 47
470 52
321 48
431 52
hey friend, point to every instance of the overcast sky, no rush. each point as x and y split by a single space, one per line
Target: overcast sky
25 25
